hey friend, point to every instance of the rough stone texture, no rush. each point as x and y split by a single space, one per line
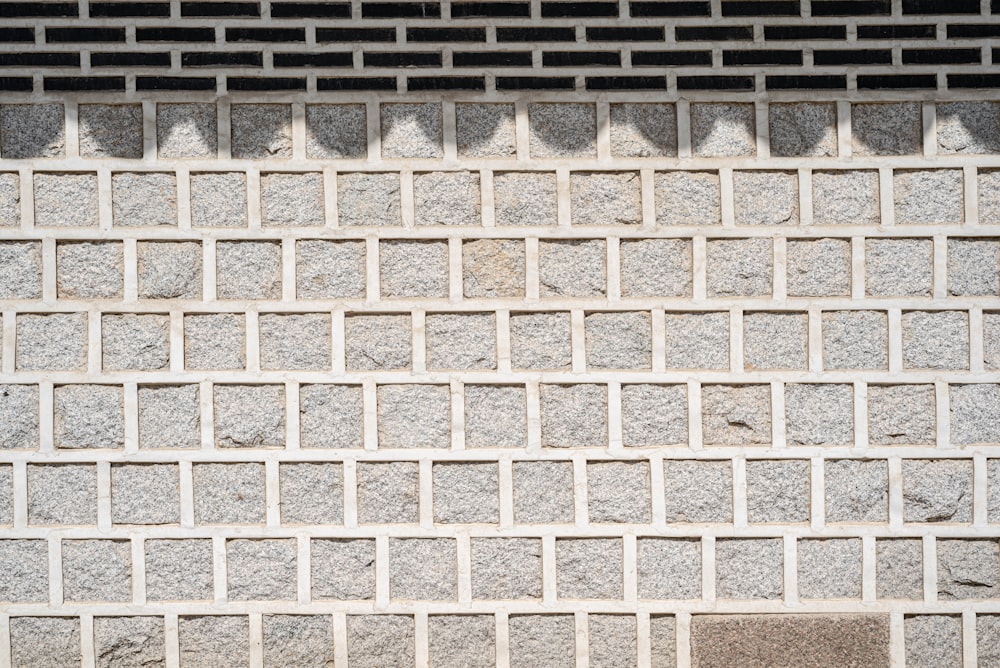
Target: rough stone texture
485 130
928 196
446 198
723 130
967 569
687 198
32 131
830 568
803 129
937 490
495 416
229 493
987 639
643 130
973 267
988 183
96 570
222 641
739 267
901 415
466 493
330 416
295 341
462 641
589 568
261 131
18 416
65 200
219 199
777 491
663 641
975 414
411 131
311 493
654 415
461 341
6 495
818 268
136 342
656 268
215 341
618 492
899 569
49 642
422 569
89 270
336 131
329 269
145 494
541 640
543 492
89 416
887 129
748 568
10 200
524 199
414 416
506 568
179 570
493 268
413 268
169 270
775 341
249 416
379 342
562 130
54 342
612 640
697 340
604 198
846 197
736 414
992 490
26 573
368 200
698 491
292 200
899 267
110 130
618 340
186 130
669 569
343 570
933 640
856 490
62 494
935 340
298 641
374 641
574 415
572 268
855 340
129 641
143 199
819 414
766 198
388 492
540 340
968 127
757 641
260 570
248 270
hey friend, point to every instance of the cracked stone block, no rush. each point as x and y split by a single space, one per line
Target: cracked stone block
214 341
229 493
485 130
145 494
777 491
899 267
928 196
656 268
329 269
462 641
618 340
669 569
887 129
51 342
524 199
32 131
819 414
495 416
975 413
378 342
248 270
144 199
654 415
973 267
375 641
698 491
220 641
179 570
129 641
968 127
261 131
19 417
292 200
542 640
493 268
935 340
967 569
775 341
446 198
605 198
26 573
803 129
342 570
423 569
723 130
643 130
261 570
540 341
186 131
110 130
62 494
97 570
933 640
461 341
466 493
52 642
855 340
574 415
818 268
562 130
543 492
749 568
65 200
687 198
368 200
739 268
572 268
388 492
298 640
846 197
766 198
89 416
414 416
937 490
589 568
10 199
89 270
899 568
736 414
856 490
336 131
330 416
697 340
169 270
219 199
295 341
618 492
413 268
901 415
138 342
506 568
830 568
412 131
612 640
988 186
311 493
249 416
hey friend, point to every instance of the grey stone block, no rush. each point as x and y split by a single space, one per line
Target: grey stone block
968 127
540 341
62 494
975 413
766 197
605 198
248 270
145 494
229 493
330 416
899 568
506 568
855 340
524 199
663 641
138 342
221 641
933 640
179 570
495 416
26 574
846 197
423 569
819 414
169 270
414 416
461 341
249 416
697 340
589 568
572 268
32 131
967 569
292 200
618 492
775 341
368 200
129 641
19 414
260 131
446 198
311 493
543 492
542 640
110 130
656 268
856 490
298 641
97 570
935 340
10 200
65 200
462 641
830 568
698 491
466 493
930 196
89 416
413 268
375 641
214 341
336 131
687 198
186 130
887 129
144 199
973 267
6 495
987 639
739 267
992 490
818 268
485 130
749 568
388 492
493 268
52 342
378 342
937 490
777 491
669 569
612 640
723 130
329 269
412 131
574 416
562 130
901 415
988 182
803 129
643 130
89 270
899 267
45 642
295 341
342 570
618 340
219 199
654 415
736 414
261 570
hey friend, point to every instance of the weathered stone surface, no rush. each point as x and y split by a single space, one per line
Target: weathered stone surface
222 641
311 493
643 130
803 129
145 494
129 641
62 494
461 340
968 127
186 130
343 570
261 131
110 130
248 270
899 568
336 131
260 570
654 415
562 130
935 340
687 198
413 268
605 198
423 569
10 200
830 568
65 200
856 490
229 493
524 198
96 570
937 490
543 492
298 641
462 641
89 416
855 340
378 342
388 492
775 341
898 267
975 413
987 639
736 414
988 185
493 268
887 128
818 268
723 130
368 200
618 492
25 578
572 268
89 270
663 641
292 200
506 568
669 568
967 569
540 341
589 568
330 416
846 197
143 199
739 267
466 493
698 491
374 641
169 270
542 640
973 267
18 416
819 414
52 642
414 416
656 268
612 640
446 198
32 131
778 491
618 340
930 196
139 342
495 416
179 570
697 340
766 198
574 415
329 269
411 131
748 568
901 414
215 341
219 199
295 341
53 342
485 130
249 416
933 640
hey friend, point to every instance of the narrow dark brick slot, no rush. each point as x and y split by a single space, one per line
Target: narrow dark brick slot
644 34
16 84
760 8
401 10
130 59
265 34
853 57
897 32
58 59
941 56
355 35
311 10
446 83
38 9
974 81
626 83
403 59
220 9
581 59
678 9
356 83
940 6
804 32
896 81
222 59
265 84
535 83
962 31
312 59
722 34
715 83
579 9
130 9
17 35
850 7
536 35
70 35
461 10
175 34
821 82
761 57
671 58
445 34
175 83
84 83
491 59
